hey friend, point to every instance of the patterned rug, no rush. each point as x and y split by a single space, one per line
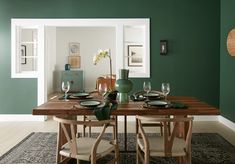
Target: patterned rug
39 148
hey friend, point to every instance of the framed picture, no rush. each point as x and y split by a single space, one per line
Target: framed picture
135 55
23 54
74 61
74 48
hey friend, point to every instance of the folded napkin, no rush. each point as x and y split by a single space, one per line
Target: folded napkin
175 105
178 105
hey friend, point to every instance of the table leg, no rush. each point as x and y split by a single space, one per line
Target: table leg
125 133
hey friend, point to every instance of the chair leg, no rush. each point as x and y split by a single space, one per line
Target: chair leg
84 127
137 154
161 131
89 134
117 155
58 156
146 158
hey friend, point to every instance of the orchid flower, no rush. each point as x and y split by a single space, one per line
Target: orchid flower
103 54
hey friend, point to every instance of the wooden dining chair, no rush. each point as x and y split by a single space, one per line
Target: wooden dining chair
150 123
168 145
85 148
102 80
146 122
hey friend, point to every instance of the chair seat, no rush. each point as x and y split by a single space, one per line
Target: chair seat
156 144
91 117
85 146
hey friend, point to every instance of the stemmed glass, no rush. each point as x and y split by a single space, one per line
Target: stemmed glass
65 88
165 89
147 88
102 88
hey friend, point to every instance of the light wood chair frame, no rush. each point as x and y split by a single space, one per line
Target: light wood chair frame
69 128
92 118
168 138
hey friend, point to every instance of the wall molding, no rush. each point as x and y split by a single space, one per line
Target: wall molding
29 117
20 117
227 122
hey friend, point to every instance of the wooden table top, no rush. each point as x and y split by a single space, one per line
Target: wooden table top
61 107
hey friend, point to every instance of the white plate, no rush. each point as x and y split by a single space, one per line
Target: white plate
157 103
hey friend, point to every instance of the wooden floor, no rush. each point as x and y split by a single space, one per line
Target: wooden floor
12 133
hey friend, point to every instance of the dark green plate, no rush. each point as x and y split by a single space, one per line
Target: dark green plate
90 103
82 94
157 103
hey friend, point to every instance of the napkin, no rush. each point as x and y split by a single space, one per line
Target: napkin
178 105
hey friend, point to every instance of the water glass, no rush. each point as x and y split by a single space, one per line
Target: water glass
65 88
102 88
165 89
147 87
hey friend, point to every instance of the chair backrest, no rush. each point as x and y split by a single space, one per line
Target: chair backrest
70 129
106 80
169 134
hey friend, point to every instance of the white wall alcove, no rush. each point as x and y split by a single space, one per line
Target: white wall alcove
50 38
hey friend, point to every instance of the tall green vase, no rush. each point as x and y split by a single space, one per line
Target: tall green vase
123 85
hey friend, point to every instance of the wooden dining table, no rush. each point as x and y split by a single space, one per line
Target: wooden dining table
58 107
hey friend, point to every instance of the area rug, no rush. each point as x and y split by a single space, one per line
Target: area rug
40 148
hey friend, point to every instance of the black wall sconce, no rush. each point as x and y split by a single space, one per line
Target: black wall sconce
163 47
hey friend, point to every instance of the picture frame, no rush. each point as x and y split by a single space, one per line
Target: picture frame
135 55
74 61
23 54
74 48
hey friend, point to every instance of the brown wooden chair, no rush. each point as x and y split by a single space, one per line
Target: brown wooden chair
146 122
150 123
168 145
106 80
85 148
102 80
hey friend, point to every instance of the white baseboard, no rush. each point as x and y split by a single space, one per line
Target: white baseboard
205 118
196 118
29 117
20 117
227 122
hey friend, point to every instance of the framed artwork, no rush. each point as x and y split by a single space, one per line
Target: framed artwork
135 55
74 48
23 54
74 61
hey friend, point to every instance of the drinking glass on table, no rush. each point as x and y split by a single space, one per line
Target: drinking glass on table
65 88
147 88
165 89
102 88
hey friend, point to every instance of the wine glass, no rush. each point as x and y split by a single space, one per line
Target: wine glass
102 88
65 88
147 87
165 89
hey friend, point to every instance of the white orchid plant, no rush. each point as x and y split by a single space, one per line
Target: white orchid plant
104 54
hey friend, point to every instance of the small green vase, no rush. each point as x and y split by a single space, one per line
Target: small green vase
123 85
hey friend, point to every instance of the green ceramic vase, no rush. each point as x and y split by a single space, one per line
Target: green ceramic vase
123 85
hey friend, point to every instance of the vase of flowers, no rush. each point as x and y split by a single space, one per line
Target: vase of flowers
103 113
104 54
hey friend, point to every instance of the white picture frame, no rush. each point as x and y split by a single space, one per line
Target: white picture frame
135 55
74 48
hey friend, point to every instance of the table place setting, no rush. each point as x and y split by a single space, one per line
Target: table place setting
162 104
156 99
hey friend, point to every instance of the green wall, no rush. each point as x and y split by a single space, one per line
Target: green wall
227 62
192 28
